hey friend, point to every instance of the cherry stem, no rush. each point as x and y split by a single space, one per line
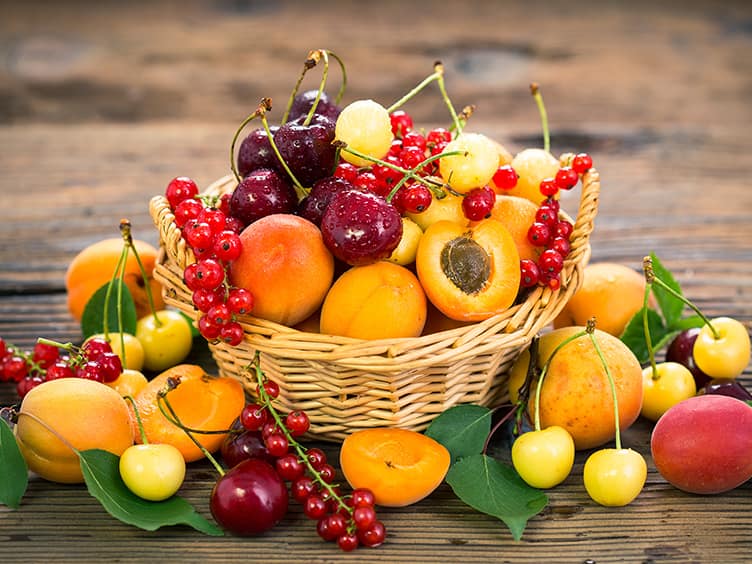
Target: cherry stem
544 371
591 332
241 127
523 393
139 422
535 91
651 277
512 411
125 231
173 418
266 105
311 61
267 401
646 327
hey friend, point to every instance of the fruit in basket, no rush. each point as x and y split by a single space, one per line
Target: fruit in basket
517 215
474 166
306 148
407 248
381 300
360 227
262 192
85 413
448 208
256 152
93 266
200 401
576 393
702 444
364 126
152 471
668 385
722 348
166 339
610 292
532 165
249 499
469 273
399 466
285 265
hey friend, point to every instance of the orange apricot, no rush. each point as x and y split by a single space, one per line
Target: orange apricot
610 292
381 300
469 273
85 413
200 401
286 266
95 265
437 321
399 466
517 214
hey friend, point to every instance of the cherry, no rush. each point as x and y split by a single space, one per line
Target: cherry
263 192
249 499
680 351
256 152
726 387
360 227
313 206
303 102
240 446
307 149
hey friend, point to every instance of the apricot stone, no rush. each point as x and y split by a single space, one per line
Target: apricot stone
703 444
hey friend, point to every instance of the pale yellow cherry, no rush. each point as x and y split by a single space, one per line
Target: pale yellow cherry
364 126
408 246
126 346
532 165
474 165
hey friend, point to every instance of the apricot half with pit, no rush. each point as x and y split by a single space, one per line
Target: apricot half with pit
469 273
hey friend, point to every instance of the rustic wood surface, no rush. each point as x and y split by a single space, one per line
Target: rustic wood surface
102 103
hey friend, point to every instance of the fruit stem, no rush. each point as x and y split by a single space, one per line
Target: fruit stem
265 106
651 277
139 422
311 61
125 231
173 418
523 393
118 274
535 91
246 121
544 371
425 82
591 332
512 411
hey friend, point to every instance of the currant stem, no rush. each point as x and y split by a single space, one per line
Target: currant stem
591 332
139 422
535 91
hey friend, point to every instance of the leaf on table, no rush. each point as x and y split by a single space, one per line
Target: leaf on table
494 488
13 469
462 429
102 475
671 307
634 334
93 321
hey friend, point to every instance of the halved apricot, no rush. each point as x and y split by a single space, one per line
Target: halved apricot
469 273
399 466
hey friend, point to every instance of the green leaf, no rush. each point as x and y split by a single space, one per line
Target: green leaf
462 429
13 469
489 486
634 334
102 475
688 323
671 307
93 320
194 330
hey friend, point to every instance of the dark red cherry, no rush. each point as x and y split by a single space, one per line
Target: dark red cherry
680 350
249 499
256 152
303 102
263 192
238 447
360 227
312 207
726 387
307 149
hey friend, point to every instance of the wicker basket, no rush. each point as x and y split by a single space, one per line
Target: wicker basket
347 384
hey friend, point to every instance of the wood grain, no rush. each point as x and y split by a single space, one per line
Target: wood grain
101 104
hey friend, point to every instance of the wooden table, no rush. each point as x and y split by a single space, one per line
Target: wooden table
102 103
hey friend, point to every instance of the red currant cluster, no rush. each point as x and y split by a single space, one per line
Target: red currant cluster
94 360
349 520
549 231
213 236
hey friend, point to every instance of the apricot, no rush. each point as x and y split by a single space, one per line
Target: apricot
95 265
200 401
85 413
286 266
702 445
610 292
576 394
448 208
399 466
129 383
469 273
381 300
517 214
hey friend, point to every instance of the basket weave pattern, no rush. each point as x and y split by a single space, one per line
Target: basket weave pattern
347 384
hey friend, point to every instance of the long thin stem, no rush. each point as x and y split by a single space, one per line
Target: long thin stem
139 422
233 164
617 431
423 83
125 230
535 91
646 330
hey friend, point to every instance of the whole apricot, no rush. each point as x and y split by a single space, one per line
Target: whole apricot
517 214
85 413
200 401
469 273
576 393
95 265
399 466
381 300
286 266
702 445
610 292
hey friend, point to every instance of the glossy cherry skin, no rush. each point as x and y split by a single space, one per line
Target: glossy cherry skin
303 102
680 351
256 152
307 149
241 446
263 192
249 499
313 206
726 387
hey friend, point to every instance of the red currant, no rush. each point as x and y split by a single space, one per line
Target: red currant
253 417
214 217
529 273
401 122
327 473
581 163
546 215
289 467
15 368
240 301
205 299
364 517
416 198
548 187
538 234
220 314
411 157
563 229
60 370
277 444
111 366
189 277
271 388
373 536
302 488
179 189
347 171
560 245
347 542
90 370
227 246
478 203
438 136
314 507
208 329
186 211
550 261
297 423
505 177
45 355
414 139
209 274
362 497
198 234
566 178
316 457
232 333
367 180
